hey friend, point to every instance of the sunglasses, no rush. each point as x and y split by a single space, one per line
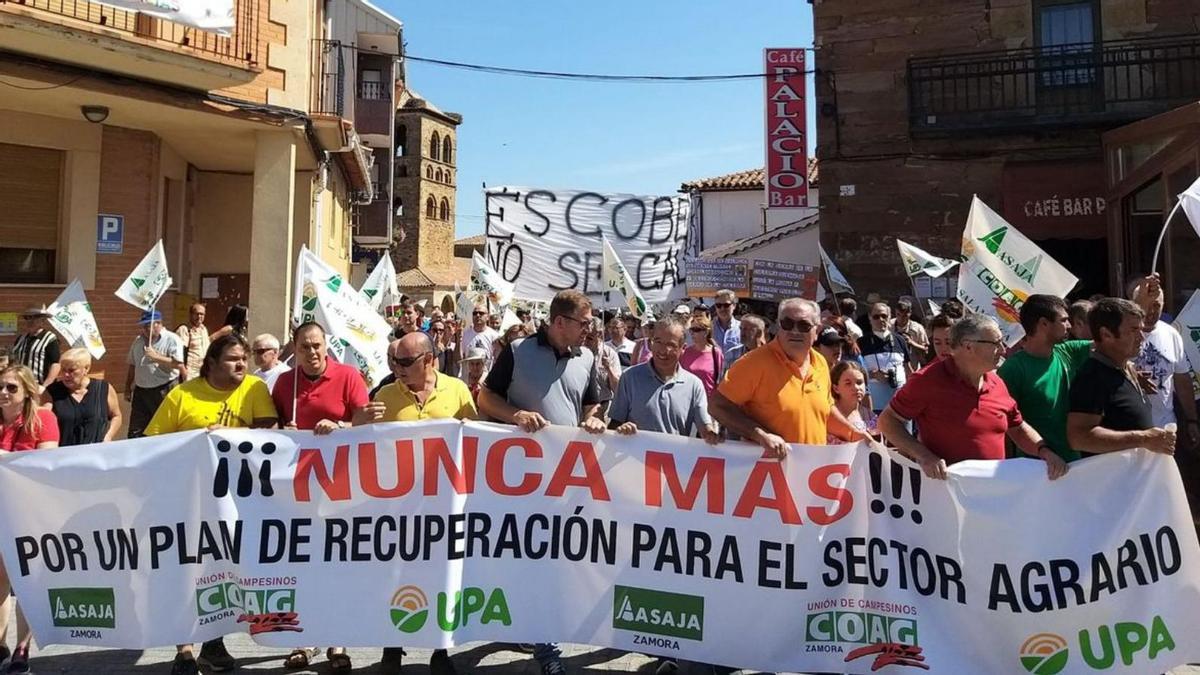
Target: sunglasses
723 305
879 316
10 388
789 324
699 329
478 313
407 361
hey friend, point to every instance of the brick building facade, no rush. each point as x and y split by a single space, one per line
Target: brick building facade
922 103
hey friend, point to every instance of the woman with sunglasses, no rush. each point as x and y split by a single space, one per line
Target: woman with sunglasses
87 409
23 426
702 358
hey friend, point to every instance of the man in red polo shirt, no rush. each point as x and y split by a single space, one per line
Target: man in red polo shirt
962 408
319 393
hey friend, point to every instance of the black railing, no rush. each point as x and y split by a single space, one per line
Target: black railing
1102 82
373 91
329 78
241 45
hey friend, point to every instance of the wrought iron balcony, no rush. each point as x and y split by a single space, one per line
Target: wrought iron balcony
373 91
1101 83
241 46
329 78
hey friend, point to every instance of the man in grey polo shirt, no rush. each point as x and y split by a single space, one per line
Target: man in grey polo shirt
155 363
659 395
547 379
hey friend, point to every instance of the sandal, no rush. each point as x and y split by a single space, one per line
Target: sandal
339 662
19 663
299 658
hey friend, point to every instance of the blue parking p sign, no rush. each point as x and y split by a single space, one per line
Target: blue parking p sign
110 234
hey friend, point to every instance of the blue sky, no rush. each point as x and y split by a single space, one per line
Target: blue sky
624 137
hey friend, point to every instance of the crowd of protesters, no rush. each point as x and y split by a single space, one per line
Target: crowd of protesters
1092 377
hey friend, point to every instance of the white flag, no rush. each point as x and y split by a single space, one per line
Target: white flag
488 283
211 15
380 287
1187 322
148 281
614 277
71 315
934 310
1002 268
357 335
917 260
1190 202
464 304
837 281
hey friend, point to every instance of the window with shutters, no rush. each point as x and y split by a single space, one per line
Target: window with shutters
30 213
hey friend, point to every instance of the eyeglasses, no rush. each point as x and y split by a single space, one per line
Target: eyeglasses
581 322
263 350
11 388
789 324
998 344
437 330
406 361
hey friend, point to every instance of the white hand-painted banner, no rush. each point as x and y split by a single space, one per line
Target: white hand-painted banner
210 15
546 241
429 534
1002 267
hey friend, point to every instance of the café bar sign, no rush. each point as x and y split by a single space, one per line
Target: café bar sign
1056 199
786 128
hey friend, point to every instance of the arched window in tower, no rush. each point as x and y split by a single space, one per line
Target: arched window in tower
429 172
447 151
444 211
430 207
437 175
435 146
449 177
399 207
401 139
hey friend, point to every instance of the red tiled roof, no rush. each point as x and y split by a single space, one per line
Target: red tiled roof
750 179
436 277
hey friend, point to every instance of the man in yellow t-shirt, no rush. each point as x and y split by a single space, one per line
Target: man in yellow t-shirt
223 396
420 392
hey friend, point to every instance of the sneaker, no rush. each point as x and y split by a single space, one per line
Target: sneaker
214 655
553 666
184 666
440 663
666 667
392 659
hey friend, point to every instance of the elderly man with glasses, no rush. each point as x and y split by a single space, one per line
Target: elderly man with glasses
478 334
780 394
962 408
727 330
267 364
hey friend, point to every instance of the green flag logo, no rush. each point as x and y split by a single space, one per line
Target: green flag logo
370 293
992 240
138 283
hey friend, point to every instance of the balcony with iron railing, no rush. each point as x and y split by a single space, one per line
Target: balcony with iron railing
239 48
1090 84
329 78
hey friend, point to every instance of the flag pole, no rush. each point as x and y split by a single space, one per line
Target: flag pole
1162 235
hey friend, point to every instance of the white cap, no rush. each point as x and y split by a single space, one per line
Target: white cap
682 309
476 354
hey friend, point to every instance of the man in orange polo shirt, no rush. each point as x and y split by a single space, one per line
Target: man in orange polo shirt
780 394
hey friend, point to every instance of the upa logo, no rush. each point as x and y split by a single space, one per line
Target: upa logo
1100 648
410 609
1044 654
83 608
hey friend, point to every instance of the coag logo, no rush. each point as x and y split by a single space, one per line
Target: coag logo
83 607
860 628
231 597
659 612
1047 654
410 609
1044 654
245 477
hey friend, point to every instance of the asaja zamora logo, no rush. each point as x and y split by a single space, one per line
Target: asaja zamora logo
659 612
1044 654
1100 647
410 609
1026 271
83 607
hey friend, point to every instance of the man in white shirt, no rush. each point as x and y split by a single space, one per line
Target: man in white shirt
155 364
266 359
1161 363
478 334
622 345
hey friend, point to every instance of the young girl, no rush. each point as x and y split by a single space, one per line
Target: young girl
850 397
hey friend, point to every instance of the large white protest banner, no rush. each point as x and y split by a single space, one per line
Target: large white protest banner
1002 267
546 241
357 335
211 15
71 315
379 288
148 281
839 559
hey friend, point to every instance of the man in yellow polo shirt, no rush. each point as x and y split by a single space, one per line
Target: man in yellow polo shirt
223 396
420 392
781 394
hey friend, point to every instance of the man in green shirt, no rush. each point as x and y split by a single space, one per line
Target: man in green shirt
1039 377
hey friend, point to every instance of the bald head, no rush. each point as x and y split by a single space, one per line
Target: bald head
411 344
